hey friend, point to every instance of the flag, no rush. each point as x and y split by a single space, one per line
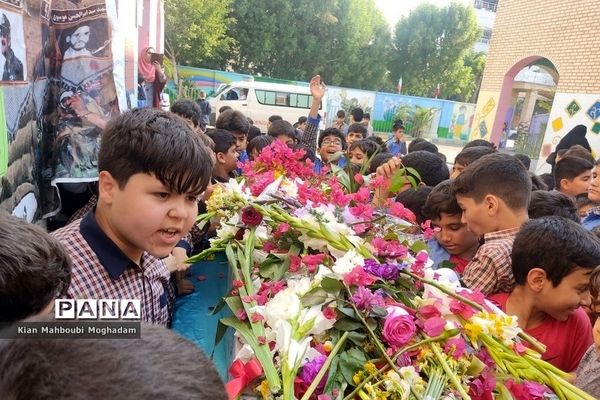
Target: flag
399 85
437 91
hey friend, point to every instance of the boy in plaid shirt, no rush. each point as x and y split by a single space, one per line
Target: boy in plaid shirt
494 194
152 169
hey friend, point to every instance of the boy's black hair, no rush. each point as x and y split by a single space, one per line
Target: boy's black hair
548 180
274 118
208 142
578 150
187 109
423 145
253 132
366 146
399 125
378 141
367 116
537 183
414 200
413 143
470 154
498 174
151 141
441 200
233 121
525 160
480 142
357 114
595 281
332 132
224 108
379 160
259 143
302 119
341 114
280 127
544 203
569 168
358 128
223 140
561 152
108 368
430 167
34 269
582 200
555 244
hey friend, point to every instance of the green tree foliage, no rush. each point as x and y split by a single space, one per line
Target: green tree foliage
196 31
345 41
431 46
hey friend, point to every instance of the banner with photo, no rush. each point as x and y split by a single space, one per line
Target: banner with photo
83 95
57 92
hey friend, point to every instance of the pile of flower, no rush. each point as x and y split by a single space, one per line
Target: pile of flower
334 298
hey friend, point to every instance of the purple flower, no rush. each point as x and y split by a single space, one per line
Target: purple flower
404 360
384 271
365 300
311 369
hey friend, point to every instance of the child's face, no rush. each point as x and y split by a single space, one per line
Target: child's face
457 169
453 234
578 185
353 137
399 134
240 141
357 157
583 210
229 160
594 188
475 215
571 293
144 215
329 146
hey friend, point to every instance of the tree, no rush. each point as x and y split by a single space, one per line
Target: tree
196 31
429 48
344 41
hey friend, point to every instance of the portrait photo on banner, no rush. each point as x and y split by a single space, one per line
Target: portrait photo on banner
13 62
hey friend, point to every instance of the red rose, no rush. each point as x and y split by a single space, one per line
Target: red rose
251 217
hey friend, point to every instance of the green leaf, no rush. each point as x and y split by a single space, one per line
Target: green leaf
314 297
273 267
234 303
218 307
331 285
357 338
397 181
447 264
379 312
350 362
418 246
349 312
219 335
347 324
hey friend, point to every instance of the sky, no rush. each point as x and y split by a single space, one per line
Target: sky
393 10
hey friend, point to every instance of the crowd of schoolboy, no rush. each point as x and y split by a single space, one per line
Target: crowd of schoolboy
529 243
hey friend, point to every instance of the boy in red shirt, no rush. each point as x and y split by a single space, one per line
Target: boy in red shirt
552 260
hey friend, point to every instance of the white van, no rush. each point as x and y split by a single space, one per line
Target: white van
260 100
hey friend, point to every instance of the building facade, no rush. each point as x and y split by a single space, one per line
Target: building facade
485 12
559 37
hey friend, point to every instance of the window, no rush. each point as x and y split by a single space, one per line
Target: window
283 99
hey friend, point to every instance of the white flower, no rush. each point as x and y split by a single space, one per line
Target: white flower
245 354
315 316
285 305
296 351
322 272
300 285
271 188
228 228
347 262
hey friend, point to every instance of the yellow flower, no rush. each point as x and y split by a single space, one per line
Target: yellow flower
263 388
328 346
371 368
357 377
473 331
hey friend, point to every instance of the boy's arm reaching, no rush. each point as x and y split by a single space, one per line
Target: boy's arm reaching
317 89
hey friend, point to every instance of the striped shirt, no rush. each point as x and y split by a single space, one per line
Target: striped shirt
102 271
490 270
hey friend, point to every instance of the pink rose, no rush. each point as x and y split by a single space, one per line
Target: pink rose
399 327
